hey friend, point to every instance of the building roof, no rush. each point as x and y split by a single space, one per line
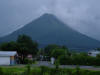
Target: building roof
8 53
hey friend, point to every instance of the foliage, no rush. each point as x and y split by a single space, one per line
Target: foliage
24 46
1 71
28 69
58 52
57 64
46 71
79 59
9 46
27 45
28 61
48 49
65 60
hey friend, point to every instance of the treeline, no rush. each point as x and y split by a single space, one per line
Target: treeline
79 59
66 57
24 45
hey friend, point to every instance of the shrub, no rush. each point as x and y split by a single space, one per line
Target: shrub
1 71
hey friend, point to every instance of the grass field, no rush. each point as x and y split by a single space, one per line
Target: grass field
28 70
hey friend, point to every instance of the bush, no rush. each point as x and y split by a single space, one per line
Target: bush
44 70
28 61
1 71
36 71
65 60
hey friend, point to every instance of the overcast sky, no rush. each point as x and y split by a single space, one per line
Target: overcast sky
82 15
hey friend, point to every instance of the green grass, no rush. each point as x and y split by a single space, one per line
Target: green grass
46 71
14 69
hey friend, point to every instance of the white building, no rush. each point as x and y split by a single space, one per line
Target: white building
7 57
93 53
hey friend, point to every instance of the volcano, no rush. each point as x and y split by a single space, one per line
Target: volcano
47 29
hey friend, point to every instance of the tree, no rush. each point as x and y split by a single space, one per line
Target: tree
65 60
82 59
9 46
58 52
26 46
48 49
98 55
98 49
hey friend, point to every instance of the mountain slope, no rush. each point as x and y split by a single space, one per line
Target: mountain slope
49 30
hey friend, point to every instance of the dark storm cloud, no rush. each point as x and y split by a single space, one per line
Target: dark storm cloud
82 15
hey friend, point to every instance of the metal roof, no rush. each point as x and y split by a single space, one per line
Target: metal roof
8 53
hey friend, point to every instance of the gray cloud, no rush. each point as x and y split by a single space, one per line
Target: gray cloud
82 15
16 13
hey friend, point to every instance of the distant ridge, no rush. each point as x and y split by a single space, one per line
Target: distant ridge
47 29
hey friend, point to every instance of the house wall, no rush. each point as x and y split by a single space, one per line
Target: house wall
12 60
4 60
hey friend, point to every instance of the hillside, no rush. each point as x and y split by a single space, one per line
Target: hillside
47 29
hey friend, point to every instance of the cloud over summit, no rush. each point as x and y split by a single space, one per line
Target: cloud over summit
82 15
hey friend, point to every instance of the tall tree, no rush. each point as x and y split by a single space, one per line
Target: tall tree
27 45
